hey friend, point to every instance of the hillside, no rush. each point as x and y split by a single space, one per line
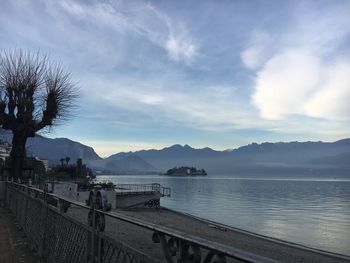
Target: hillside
339 160
295 158
128 164
55 149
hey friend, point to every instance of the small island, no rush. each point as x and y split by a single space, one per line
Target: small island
185 171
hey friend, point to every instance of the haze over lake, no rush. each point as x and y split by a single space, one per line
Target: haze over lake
312 212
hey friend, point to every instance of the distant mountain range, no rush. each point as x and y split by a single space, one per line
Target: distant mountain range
294 158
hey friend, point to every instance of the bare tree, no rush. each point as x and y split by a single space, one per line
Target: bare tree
34 94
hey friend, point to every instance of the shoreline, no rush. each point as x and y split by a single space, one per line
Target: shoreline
273 239
236 238
294 216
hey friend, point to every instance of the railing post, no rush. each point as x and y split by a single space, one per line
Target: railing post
93 229
16 204
3 193
98 222
44 213
99 250
5 200
25 215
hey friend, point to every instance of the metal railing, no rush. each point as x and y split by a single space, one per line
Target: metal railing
59 230
123 189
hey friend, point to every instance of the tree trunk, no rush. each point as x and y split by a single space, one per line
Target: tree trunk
18 153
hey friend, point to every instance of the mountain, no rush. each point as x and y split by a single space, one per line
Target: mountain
55 149
292 157
292 152
339 160
177 155
129 163
295 158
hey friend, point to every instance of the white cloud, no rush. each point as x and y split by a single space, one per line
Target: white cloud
332 99
181 48
73 8
305 70
142 19
213 108
257 50
151 99
285 83
296 81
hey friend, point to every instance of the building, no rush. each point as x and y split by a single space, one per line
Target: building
5 149
45 163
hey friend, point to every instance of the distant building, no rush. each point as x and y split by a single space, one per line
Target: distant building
5 149
45 163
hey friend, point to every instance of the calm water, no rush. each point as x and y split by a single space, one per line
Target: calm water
312 212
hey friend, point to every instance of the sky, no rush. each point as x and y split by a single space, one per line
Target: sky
221 74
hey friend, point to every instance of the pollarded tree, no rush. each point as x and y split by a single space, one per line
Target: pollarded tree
34 94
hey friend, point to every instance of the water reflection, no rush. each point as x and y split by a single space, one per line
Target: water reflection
313 212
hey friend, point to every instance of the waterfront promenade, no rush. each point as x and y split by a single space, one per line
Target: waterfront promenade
267 247
138 234
274 249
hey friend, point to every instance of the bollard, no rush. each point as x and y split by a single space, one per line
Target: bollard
30 182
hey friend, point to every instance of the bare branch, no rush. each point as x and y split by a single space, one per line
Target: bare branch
34 94
59 95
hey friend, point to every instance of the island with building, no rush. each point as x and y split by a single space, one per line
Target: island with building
185 171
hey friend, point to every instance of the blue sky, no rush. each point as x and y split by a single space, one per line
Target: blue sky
205 73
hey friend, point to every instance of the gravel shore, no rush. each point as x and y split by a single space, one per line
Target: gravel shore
263 246
140 238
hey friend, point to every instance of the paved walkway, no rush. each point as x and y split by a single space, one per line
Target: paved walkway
14 246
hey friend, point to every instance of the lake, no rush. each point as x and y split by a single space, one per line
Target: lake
312 212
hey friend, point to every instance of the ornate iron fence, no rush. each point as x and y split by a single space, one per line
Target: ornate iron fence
60 231
57 236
